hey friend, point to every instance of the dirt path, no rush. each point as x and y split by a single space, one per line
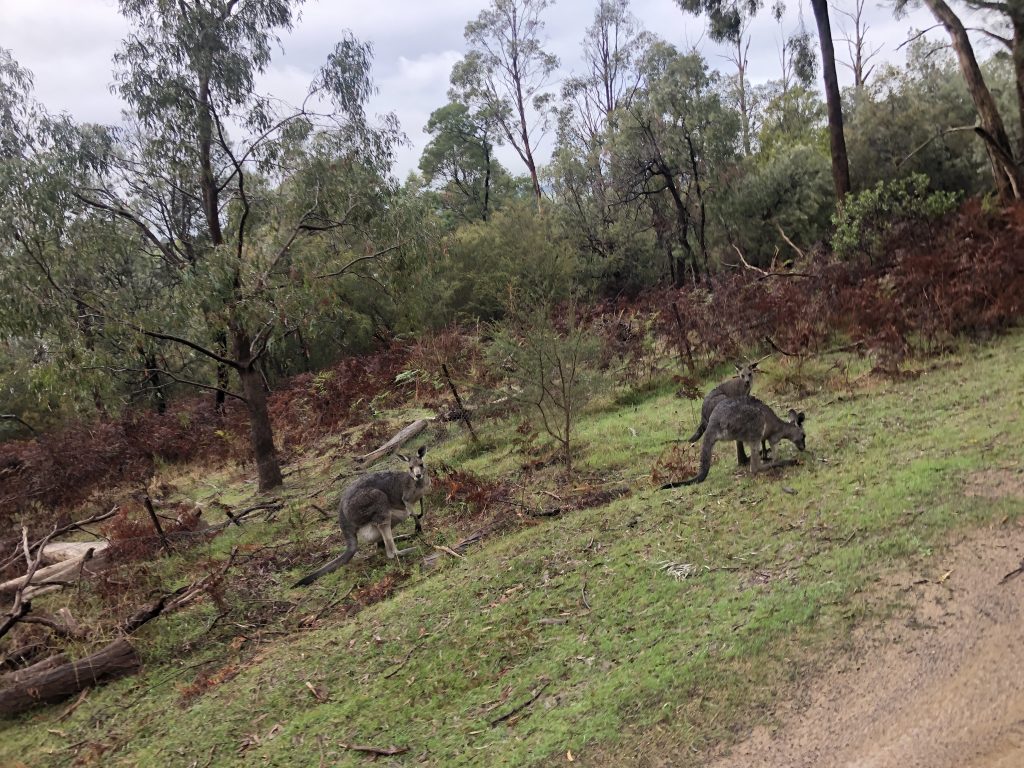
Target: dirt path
940 687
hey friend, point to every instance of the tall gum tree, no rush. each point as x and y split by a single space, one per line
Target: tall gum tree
229 189
1006 169
507 73
725 20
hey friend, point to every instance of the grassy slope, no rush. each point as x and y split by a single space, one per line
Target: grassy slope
654 665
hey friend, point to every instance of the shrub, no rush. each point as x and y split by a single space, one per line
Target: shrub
867 220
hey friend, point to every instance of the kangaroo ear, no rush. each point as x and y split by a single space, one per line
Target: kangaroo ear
421 451
794 417
403 457
800 418
739 368
753 365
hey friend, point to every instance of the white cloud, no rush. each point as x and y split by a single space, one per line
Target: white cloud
68 44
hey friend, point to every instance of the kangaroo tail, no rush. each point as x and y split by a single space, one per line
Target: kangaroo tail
700 431
351 545
705 466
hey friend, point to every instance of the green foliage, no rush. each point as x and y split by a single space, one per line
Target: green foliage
898 124
478 267
792 116
459 163
790 190
548 357
868 218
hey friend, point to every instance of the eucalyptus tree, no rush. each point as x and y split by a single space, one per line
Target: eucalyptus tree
459 161
507 74
591 105
253 209
675 142
1006 167
725 22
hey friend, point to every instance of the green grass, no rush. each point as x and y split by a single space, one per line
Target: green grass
630 659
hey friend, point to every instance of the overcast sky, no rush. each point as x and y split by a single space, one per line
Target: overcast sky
68 45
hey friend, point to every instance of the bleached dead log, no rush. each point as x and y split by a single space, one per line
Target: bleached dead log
57 573
59 682
406 434
61 551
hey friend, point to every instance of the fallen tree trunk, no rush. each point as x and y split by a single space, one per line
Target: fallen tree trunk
58 683
58 572
401 438
62 551
20 675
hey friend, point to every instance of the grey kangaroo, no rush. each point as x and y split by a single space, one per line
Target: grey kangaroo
746 420
738 386
369 507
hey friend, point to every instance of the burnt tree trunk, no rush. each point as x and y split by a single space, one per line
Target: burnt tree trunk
44 684
837 139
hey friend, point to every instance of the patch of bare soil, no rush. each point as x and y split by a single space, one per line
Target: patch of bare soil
940 686
1004 483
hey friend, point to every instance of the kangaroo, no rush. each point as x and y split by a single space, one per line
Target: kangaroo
738 386
369 507
746 420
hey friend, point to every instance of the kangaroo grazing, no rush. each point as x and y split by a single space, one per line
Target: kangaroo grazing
746 420
371 505
738 386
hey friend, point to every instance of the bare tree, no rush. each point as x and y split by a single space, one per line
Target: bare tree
860 52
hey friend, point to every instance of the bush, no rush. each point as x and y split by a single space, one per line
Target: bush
867 220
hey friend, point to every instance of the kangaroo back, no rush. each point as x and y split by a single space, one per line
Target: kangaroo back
737 386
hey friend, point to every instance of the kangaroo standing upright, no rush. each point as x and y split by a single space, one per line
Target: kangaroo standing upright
738 386
746 420
369 507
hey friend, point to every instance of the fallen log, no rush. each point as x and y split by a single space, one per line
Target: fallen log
62 551
406 434
58 572
18 676
60 682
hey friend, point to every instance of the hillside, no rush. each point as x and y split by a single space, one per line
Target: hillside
653 628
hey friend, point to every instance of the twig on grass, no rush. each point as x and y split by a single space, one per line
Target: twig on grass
520 707
383 751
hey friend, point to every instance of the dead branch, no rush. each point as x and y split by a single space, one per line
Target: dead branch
179 598
1015 572
683 340
22 606
384 751
458 401
790 243
406 434
148 503
18 676
431 560
77 525
519 708
51 575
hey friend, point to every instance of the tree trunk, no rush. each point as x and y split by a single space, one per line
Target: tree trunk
837 139
1018 70
49 685
261 432
1007 175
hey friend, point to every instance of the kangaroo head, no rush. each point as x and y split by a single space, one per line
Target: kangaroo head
796 420
417 469
746 373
